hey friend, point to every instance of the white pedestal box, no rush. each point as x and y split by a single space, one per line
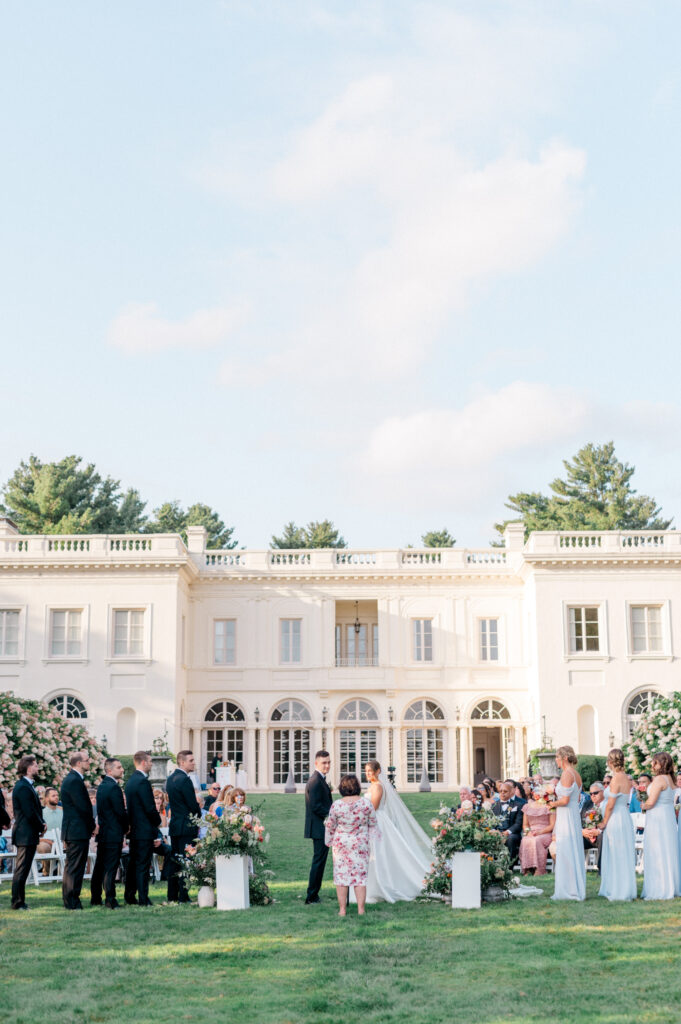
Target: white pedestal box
466 881
231 882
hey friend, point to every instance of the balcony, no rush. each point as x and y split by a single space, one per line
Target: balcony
356 662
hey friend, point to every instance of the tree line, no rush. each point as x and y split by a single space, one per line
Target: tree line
71 497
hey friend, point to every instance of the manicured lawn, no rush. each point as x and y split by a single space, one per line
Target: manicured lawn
420 963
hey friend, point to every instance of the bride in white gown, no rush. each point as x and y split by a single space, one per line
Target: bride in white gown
403 857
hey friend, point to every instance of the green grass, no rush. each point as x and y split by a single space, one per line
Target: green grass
420 963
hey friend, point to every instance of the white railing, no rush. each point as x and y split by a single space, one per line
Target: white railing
357 662
486 556
603 542
579 540
427 556
104 547
68 543
289 558
345 557
225 560
130 543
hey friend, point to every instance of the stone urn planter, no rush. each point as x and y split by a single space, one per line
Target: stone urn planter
231 882
547 763
493 894
206 897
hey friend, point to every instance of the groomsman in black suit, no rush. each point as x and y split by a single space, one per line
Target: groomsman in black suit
144 824
112 827
28 827
510 813
5 820
183 805
77 826
318 802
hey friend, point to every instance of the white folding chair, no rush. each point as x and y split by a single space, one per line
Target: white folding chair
591 859
54 858
639 830
7 857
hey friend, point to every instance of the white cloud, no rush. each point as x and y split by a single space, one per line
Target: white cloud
139 328
440 451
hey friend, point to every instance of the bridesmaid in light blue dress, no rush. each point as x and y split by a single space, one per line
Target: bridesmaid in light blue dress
660 839
618 857
570 871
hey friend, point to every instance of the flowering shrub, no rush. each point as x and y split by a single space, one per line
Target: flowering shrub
31 727
464 830
240 832
659 729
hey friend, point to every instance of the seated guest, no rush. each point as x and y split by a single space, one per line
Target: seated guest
633 801
211 796
520 791
477 797
160 801
236 801
607 779
40 790
487 795
592 836
52 816
222 801
644 781
539 822
509 811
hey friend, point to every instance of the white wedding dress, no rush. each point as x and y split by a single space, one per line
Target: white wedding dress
402 857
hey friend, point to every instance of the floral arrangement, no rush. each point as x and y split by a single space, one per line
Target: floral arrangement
240 832
659 729
593 818
468 830
31 727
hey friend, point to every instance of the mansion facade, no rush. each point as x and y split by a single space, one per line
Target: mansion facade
453 660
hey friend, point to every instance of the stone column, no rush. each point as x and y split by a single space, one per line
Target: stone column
250 756
384 749
452 776
263 770
466 770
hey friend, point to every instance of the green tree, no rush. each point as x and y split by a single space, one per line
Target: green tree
317 534
438 539
596 494
172 518
131 517
62 497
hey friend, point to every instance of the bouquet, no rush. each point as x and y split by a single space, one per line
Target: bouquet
468 829
240 832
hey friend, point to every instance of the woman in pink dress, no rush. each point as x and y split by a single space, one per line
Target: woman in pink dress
538 825
349 827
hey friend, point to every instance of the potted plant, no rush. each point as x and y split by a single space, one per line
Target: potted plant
466 830
230 852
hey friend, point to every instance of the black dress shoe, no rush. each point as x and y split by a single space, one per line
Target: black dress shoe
22 906
95 903
147 903
111 904
132 902
312 899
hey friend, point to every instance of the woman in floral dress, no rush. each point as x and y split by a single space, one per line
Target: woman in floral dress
349 827
539 822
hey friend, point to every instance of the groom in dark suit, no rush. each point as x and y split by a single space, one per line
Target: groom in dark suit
28 827
318 802
183 806
77 826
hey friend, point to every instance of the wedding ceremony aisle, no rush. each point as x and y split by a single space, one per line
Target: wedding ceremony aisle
518 962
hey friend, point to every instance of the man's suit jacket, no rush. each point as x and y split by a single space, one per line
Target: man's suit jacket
318 802
5 821
144 818
78 822
112 816
510 818
28 814
183 804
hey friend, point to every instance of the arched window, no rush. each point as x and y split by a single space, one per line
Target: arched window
425 746
636 707
356 745
225 742
291 711
224 711
423 709
68 706
358 711
490 711
290 745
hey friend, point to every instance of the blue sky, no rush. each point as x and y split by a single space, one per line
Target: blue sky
384 263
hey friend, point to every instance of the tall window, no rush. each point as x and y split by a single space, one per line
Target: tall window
65 633
290 742
9 633
224 641
225 740
638 706
423 639
68 706
289 641
352 644
357 745
128 633
489 639
584 636
425 744
646 629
